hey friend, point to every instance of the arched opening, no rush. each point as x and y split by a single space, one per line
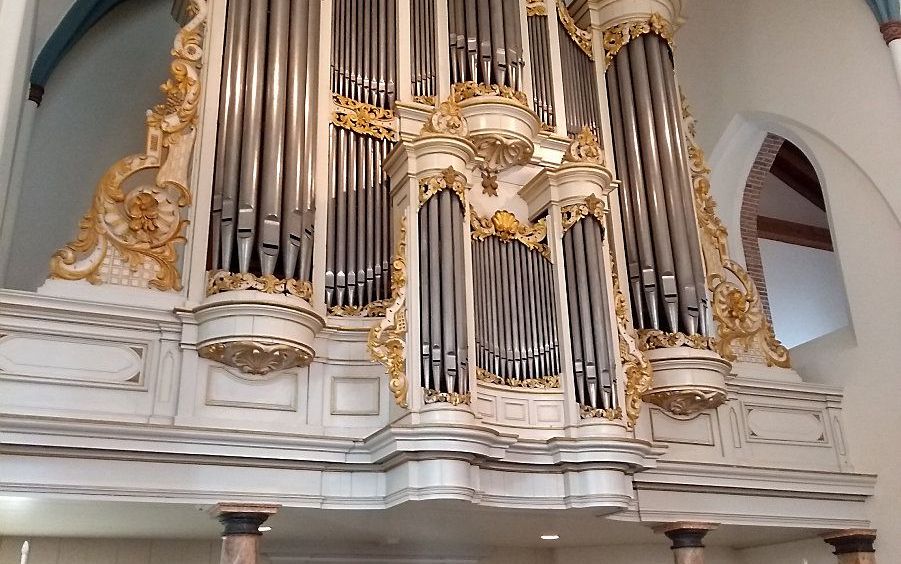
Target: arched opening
788 244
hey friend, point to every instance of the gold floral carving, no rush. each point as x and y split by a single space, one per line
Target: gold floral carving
592 206
372 309
387 340
425 100
505 226
223 281
498 153
536 8
252 357
649 339
609 413
447 179
363 118
453 398
584 148
742 326
582 37
467 90
686 402
446 119
142 224
639 374
619 35
542 383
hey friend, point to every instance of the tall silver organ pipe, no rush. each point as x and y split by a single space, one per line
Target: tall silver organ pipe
442 287
542 80
363 78
515 317
663 256
485 41
424 58
262 189
580 87
586 302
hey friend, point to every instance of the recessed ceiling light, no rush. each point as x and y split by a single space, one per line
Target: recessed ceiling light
264 528
550 537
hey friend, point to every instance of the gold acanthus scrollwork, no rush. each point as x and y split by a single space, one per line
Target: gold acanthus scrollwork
649 339
535 8
447 179
453 398
445 119
609 413
584 148
741 323
617 36
144 224
223 281
498 153
687 402
372 309
425 100
639 373
470 89
592 206
387 340
363 118
505 226
582 37
255 358
543 383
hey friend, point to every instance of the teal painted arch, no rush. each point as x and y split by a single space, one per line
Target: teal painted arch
886 10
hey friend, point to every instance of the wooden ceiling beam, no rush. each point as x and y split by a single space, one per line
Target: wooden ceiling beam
794 233
792 167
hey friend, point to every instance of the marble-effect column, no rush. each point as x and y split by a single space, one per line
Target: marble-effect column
853 546
686 538
241 536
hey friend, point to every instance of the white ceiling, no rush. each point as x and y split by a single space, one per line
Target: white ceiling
780 201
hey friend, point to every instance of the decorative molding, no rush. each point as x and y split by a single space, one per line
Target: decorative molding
470 89
446 119
686 402
592 206
143 227
372 309
742 324
639 374
499 153
543 383
447 179
582 37
224 281
890 31
504 225
611 414
255 357
535 8
387 340
617 36
363 118
453 398
584 148
649 339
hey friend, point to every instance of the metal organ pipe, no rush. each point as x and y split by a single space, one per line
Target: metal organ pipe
580 89
262 184
542 87
485 41
662 248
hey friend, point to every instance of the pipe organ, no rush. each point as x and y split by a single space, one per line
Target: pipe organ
580 86
542 80
485 42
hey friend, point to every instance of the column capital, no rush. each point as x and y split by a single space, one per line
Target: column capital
685 534
243 518
891 30
850 541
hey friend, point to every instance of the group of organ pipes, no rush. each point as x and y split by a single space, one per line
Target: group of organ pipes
263 200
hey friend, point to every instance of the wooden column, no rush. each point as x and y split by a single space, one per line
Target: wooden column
853 546
241 536
686 538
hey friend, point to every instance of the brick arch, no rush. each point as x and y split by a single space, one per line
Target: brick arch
750 205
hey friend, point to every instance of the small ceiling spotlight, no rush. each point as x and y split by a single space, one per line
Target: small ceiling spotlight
264 528
550 537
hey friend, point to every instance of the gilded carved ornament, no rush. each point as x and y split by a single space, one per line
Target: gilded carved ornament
141 225
687 402
741 324
372 309
617 36
592 206
584 148
582 37
256 358
363 118
445 119
498 153
223 281
447 179
425 100
470 89
505 226
535 8
543 383
387 340
649 339
609 413
453 398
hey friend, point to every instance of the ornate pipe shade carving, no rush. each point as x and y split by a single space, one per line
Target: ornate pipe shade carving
448 179
142 226
363 118
592 206
580 36
535 8
584 148
507 227
224 281
468 90
446 119
742 325
619 35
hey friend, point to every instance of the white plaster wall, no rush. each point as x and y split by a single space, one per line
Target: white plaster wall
92 115
823 79
803 552
638 554
807 299
44 550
